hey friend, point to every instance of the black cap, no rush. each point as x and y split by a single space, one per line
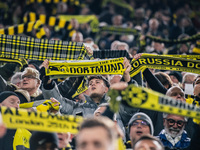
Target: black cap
40 138
6 94
177 74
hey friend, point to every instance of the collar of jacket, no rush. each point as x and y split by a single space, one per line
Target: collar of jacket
37 93
184 141
103 100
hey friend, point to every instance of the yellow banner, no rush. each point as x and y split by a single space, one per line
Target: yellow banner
39 121
81 18
148 99
94 22
80 68
164 62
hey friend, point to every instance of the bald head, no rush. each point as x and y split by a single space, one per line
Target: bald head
176 93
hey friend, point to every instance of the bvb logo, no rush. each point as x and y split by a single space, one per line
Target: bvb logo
135 96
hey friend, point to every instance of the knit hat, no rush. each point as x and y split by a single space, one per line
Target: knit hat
39 138
177 74
35 65
6 94
141 116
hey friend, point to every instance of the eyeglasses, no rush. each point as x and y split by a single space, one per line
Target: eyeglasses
142 123
171 122
28 77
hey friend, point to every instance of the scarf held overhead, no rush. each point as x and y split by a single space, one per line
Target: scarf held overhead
16 47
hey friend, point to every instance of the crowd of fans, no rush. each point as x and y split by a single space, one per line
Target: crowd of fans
130 128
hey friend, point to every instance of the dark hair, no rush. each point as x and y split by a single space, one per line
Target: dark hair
164 78
196 79
149 137
106 82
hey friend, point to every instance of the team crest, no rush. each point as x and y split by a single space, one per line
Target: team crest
134 96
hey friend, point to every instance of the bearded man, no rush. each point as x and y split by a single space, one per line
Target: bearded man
173 136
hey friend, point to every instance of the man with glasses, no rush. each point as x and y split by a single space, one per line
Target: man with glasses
31 83
173 136
140 124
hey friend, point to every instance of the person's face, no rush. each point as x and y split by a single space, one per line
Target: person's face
29 83
74 23
154 25
117 20
11 101
174 79
121 47
95 138
185 22
184 48
147 145
138 129
19 83
63 139
97 86
197 87
174 125
188 80
177 93
77 37
47 146
158 46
